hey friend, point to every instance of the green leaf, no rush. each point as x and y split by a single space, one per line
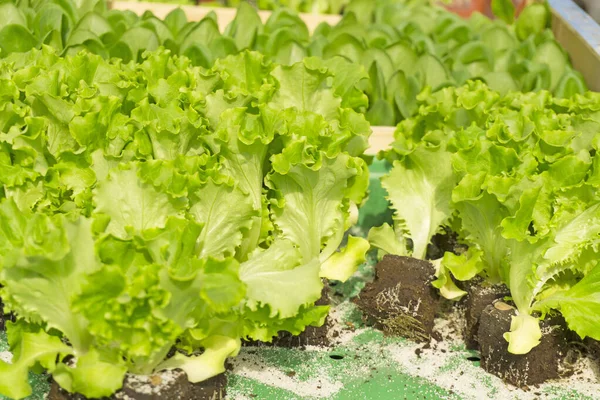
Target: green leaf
580 305
30 285
305 89
481 219
29 346
463 267
92 377
311 212
343 264
504 9
223 230
16 39
131 205
532 21
387 240
445 283
524 335
420 189
245 27
276 279
210 363
552 55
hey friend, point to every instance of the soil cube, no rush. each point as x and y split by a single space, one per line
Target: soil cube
168 385
542 363
593 347
479 296
401 300
442 243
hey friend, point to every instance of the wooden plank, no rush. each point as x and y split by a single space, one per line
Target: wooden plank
381 139
224 15
579 34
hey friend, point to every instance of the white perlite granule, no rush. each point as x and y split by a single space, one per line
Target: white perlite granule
149 384
6 356
339 333
452 371
253 367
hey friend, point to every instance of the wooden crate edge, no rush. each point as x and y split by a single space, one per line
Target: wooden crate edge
224 15
579 35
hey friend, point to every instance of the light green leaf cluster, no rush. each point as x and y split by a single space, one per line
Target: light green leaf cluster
516 177
404 46
156 204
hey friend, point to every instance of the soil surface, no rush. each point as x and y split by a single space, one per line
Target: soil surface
479 296
593 347
544 362
401 300
593 350
312 335
442 243
168 385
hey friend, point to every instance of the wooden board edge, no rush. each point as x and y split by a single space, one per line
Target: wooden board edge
381 139
224 15
579 35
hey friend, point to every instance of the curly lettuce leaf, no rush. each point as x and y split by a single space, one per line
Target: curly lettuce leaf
387 240
130 205
267 273
420 189
30 284
30 346
210 363
580 305
344 263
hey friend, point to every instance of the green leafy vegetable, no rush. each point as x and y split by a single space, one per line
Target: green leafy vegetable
404 46
516 178
504 9
152 205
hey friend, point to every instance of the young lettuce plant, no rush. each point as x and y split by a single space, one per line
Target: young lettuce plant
395 41
159 205
525 198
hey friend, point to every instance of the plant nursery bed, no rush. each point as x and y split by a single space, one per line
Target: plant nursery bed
389 333
362 362
167 385
574 29
347 359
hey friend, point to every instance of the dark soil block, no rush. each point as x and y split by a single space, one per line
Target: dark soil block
401 300
542 363
593 350
312 335
169 385
479 296
442 243
593 347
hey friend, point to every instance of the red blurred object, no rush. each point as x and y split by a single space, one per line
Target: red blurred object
465 8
